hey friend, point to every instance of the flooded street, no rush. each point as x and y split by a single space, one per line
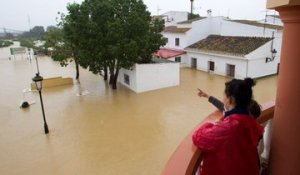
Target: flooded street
106 132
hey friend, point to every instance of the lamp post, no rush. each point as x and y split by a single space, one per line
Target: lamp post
38 84
36 61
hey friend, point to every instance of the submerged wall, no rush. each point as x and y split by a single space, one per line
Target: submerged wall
146 77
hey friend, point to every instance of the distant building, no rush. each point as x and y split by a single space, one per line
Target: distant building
183 34
172 17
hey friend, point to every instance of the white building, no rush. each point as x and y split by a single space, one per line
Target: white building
188 32
171 18
146 77
234 56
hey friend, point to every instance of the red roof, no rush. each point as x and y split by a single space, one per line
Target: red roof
168 53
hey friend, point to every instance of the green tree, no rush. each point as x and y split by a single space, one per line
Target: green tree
60 50
4 43
49 28
119 33
65 39
36 32
73 26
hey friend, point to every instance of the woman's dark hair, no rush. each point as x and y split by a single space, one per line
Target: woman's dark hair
254 109
240 91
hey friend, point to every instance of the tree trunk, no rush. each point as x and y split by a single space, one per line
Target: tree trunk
77 69
111 77
105 74
114 84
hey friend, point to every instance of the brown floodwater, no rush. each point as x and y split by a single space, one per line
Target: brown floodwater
107 132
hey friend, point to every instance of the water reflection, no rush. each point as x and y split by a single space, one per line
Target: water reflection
105 131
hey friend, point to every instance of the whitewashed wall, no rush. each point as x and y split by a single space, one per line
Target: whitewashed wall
278 42
200 30
171 40
252 65
257 66
229 28
220 63
183 62
133 78
173 17
146 77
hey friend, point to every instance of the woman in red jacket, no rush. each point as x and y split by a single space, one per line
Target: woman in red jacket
230 146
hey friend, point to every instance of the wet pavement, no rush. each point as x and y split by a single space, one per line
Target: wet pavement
107 132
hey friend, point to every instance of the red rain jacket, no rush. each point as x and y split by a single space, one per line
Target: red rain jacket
230 146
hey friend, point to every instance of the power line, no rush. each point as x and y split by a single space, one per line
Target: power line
7 30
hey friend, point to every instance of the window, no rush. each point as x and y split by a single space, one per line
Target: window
178 59
177 42
167 40
126 79
211 66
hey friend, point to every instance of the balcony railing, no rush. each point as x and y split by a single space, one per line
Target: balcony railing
187 157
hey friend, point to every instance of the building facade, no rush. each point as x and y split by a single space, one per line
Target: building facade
186 33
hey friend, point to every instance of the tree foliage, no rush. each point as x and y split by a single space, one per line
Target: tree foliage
193 16
65 39
50 28
4 43
36 32
117 34
105 36
55 43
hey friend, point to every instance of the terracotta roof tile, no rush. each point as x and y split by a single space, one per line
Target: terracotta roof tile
175 29
232 45
191 20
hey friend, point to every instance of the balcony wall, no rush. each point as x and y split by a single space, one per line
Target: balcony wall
186 159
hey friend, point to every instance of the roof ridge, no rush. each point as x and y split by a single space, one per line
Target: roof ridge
257 24
237 45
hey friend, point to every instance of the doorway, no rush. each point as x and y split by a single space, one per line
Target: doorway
211 66
194 63
230 70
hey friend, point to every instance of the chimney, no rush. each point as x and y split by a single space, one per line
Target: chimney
192 7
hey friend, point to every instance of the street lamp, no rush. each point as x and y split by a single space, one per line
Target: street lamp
273 54
38 84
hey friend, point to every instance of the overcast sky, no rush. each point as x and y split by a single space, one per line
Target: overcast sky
15 14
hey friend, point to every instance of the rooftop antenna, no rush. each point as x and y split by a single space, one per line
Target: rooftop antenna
274 17
264 31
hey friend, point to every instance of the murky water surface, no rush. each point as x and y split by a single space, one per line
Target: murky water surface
107 132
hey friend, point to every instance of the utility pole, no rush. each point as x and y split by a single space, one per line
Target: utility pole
28 17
